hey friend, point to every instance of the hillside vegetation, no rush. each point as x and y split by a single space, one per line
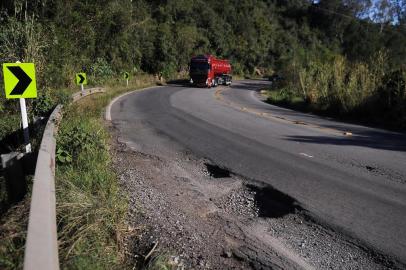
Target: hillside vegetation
326 50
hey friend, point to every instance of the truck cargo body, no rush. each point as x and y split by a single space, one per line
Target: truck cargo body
206 70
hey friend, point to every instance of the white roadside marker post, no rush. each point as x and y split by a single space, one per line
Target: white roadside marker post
82 88
24 119
127 82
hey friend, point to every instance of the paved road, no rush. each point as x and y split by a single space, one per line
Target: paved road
356 184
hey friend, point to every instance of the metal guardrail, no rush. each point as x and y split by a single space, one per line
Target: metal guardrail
87 92
41 250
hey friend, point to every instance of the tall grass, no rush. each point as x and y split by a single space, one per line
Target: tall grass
89 207
370 91
339 85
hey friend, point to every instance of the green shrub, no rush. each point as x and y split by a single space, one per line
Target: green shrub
43 104
75 139
101 70
63 97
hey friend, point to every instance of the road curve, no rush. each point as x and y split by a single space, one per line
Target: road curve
356 184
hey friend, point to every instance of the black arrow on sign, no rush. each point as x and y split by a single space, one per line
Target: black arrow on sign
82 79
126 75
23 80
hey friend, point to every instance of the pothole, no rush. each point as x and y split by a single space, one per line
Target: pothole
370 168
217 172
299 123
272 203
264 202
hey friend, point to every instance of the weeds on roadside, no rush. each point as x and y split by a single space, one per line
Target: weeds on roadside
91 210
89 207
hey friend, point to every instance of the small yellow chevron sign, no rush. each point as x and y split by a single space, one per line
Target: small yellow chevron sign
81 78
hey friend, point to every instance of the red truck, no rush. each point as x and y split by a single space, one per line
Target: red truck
206 70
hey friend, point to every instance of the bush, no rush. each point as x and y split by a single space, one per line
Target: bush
74 140
43 104
101 70
63 97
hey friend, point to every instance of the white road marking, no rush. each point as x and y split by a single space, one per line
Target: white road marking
306 155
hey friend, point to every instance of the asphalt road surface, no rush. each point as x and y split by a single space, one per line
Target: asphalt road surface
350 177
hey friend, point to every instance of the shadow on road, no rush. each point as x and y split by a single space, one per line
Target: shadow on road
371 139
180 82
252 85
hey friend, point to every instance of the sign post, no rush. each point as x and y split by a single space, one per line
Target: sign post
24 119
81 80
126 77
20 82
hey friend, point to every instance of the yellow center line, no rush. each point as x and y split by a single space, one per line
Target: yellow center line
218 95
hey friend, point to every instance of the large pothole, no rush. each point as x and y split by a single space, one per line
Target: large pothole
272 203
216 171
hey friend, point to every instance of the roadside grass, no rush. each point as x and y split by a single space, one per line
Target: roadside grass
91 210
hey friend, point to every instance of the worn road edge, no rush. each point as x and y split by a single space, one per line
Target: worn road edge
107 115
